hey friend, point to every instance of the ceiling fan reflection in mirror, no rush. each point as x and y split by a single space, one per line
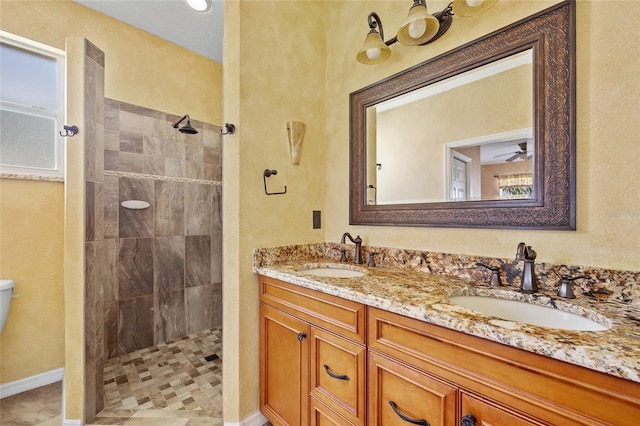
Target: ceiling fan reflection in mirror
522 154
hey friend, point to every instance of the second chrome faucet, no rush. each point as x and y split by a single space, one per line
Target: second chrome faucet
357 257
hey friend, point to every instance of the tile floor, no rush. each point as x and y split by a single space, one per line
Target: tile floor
175 384
41 407
178 383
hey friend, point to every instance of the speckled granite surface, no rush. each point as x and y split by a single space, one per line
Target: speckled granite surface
418 284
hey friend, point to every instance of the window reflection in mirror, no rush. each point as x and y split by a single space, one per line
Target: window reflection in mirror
466 138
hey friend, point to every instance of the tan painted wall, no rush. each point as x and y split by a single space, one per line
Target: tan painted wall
608 192
142 69
31 222
266 83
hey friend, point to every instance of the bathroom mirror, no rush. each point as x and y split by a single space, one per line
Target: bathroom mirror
481 136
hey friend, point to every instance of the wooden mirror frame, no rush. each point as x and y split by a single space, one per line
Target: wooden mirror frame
551 35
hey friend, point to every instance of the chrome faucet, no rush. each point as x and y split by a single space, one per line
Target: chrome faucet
357 257
528 282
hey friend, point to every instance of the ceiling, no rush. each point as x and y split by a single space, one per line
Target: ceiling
171 20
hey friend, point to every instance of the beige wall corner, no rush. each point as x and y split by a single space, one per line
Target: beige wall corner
74 237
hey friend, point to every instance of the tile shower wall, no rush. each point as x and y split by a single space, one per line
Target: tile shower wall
165 260
152 275
97 273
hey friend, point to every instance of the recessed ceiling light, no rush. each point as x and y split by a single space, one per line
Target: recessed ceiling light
201 6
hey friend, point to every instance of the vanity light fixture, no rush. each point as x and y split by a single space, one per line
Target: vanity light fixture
418 29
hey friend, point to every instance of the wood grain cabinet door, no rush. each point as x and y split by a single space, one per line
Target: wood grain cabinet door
489 413
401 396
338 374
284 368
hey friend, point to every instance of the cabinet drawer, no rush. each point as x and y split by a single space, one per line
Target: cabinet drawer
321 415
338 374
397 391
490 413
333 313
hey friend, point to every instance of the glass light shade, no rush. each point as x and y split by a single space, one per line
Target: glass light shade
471 7
419 27
295 132
373 50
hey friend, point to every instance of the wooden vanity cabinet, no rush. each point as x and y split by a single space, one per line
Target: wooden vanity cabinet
502 385
312 357
322 364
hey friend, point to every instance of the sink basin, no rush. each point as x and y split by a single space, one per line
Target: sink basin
333 271
514 310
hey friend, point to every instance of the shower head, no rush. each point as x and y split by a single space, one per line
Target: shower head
187 128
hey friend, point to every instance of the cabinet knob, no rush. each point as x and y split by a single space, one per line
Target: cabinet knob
468 420
335 376
301 336
420 422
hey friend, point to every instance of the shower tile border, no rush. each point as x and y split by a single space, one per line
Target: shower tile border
158 177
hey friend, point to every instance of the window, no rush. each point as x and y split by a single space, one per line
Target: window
31 107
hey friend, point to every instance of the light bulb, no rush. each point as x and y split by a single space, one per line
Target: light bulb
417 28
473 3
198 5
373 53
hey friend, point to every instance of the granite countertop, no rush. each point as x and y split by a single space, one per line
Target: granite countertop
424 296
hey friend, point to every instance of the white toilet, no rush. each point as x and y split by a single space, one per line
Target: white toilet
6 292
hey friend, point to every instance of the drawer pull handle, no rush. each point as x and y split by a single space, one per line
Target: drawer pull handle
468 420
301 336
335 376
405 418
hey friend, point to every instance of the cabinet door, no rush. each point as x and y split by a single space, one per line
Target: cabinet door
284 367
400 395
490 413
338 374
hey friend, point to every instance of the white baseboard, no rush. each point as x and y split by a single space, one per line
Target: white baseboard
33 382
256 419
67 422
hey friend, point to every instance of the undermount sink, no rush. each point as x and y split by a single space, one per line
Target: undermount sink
517 311
333 271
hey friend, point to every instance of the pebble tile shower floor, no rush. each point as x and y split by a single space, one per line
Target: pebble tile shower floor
178 383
